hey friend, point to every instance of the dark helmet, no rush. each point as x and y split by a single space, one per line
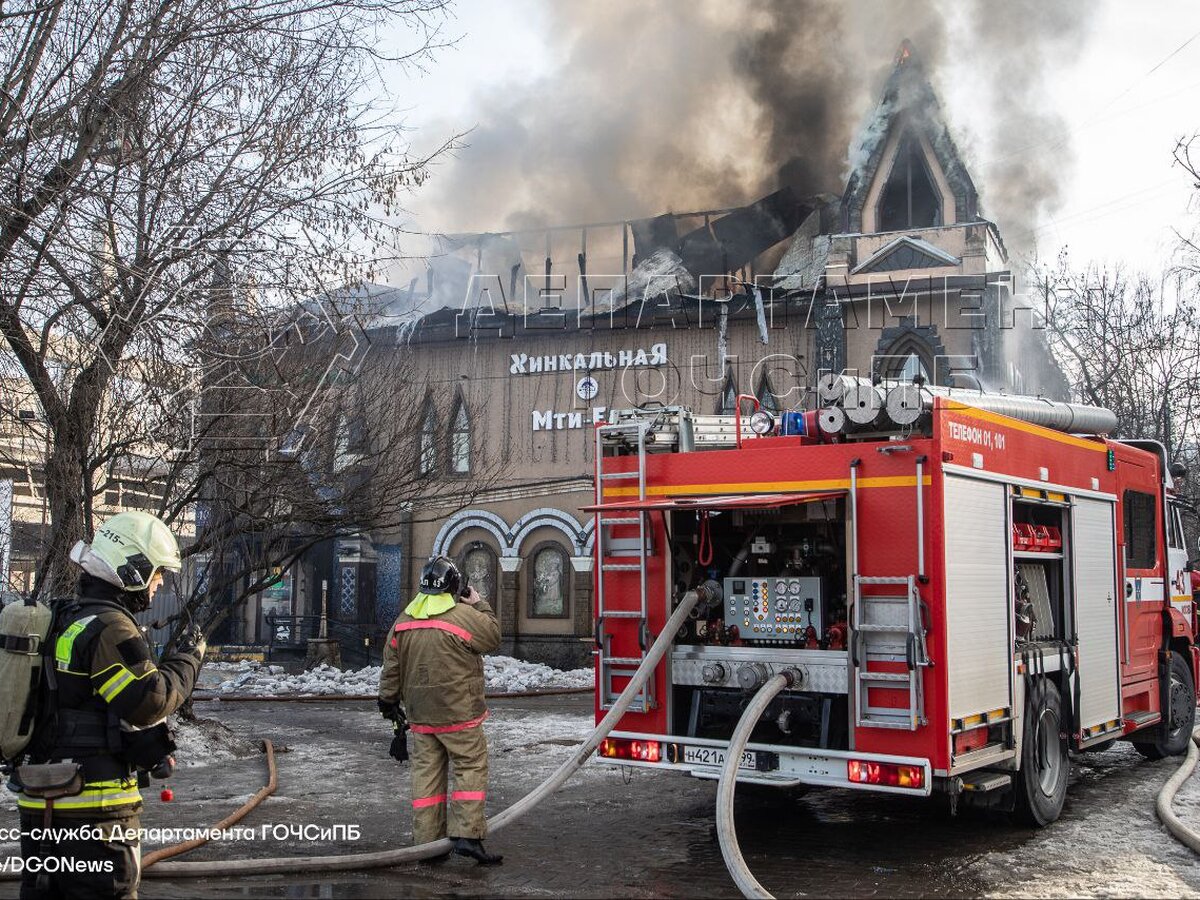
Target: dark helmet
441 576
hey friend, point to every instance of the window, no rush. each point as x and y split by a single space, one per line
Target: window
766 396
548 585
910 199
479 568
342 457
428 458
728 397
460 440
906 359
1141 533
1175 528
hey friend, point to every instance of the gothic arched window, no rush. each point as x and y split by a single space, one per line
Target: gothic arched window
909 199
460 440
428 455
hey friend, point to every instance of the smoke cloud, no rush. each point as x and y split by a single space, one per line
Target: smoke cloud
684 106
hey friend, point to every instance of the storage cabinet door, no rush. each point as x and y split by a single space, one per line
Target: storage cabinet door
978 597
1096 611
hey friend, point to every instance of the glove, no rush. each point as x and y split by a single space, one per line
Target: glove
194 643
399 749
392 711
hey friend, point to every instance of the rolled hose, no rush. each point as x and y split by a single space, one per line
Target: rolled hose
384 858
726 833
1165 797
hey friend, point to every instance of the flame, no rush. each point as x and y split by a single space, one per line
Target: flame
905 51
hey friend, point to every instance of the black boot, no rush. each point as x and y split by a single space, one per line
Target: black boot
473 847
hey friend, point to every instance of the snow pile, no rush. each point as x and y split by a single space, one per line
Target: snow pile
203 742
505 675
502 675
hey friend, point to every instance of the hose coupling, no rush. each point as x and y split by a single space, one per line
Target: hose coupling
793 676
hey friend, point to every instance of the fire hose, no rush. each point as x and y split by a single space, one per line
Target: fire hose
290 865
726 833
1162 805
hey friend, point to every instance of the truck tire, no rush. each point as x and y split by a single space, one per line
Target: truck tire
1171 736
1041 784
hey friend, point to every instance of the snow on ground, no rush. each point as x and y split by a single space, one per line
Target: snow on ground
1109 842
502 675
206 741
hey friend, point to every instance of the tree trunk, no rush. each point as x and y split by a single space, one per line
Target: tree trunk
68 524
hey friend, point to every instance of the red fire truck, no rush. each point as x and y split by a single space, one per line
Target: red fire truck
964 597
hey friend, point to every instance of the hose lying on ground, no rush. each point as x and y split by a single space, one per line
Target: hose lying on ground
726 834
291 865
335 698
232 819
1163 804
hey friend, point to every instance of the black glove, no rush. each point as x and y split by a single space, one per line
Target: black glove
392 711
399 749
193 643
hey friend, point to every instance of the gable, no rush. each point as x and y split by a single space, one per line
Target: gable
906 253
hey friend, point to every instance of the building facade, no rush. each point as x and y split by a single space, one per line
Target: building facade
899 275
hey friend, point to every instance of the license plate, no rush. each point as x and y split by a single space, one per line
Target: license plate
715 756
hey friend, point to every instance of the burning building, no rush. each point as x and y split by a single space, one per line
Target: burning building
530 337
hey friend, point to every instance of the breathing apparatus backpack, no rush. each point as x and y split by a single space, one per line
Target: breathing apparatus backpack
24 628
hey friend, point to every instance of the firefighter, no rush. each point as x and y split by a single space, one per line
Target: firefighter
105 712
432 684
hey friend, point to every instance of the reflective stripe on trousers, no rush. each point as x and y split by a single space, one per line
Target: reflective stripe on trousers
437 811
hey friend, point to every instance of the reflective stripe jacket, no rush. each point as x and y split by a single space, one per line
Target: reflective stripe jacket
103 663
434 666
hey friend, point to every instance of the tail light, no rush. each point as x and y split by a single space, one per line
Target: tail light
624 748
862 771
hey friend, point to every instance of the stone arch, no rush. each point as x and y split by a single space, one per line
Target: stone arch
577 534
473 518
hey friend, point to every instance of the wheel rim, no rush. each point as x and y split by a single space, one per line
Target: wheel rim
1049 755
1180 706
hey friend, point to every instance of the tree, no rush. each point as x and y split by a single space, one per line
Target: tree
1129 344
151 153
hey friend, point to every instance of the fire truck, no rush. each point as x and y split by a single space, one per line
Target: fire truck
965 587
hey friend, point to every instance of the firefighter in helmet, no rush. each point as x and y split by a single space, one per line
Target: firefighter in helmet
104 710
432 685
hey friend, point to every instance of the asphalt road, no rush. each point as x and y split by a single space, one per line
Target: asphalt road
634 833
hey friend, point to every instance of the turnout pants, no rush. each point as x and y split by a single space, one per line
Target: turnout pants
433 755
80 869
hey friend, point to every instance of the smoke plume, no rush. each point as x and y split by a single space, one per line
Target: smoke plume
659 107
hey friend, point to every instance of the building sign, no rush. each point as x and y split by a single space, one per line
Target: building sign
588 388
524 364
549 420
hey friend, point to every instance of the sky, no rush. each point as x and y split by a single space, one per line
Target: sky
1128 91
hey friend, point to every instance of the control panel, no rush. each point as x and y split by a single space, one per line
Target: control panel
778 608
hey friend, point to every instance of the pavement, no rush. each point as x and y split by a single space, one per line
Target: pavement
614 832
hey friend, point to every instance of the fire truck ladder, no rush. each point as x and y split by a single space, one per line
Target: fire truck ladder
888 628
622 555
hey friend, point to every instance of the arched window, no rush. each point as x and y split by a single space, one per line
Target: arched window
428 456
342 457
728 401
460 440
909 199
549 582
478 564
906 360
766 396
